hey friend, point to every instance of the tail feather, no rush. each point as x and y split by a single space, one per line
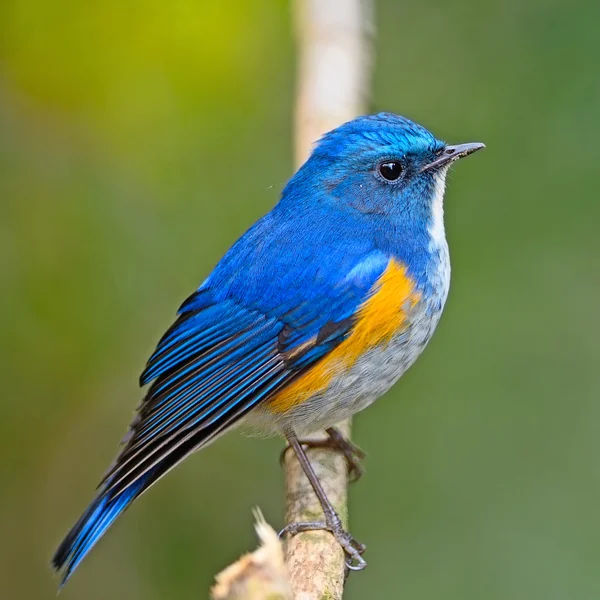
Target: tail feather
114 497
110 503
100 515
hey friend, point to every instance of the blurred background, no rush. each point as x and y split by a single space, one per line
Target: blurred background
139 139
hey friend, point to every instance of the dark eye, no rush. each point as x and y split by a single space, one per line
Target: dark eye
390 170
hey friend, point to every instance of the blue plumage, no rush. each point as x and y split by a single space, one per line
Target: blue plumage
215 363
283 297
99 516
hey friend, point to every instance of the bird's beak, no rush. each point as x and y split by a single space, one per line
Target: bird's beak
452 153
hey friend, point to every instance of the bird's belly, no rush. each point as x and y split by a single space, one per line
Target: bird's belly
369 378
353 389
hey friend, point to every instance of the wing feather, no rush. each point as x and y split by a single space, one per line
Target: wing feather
272 308
219 360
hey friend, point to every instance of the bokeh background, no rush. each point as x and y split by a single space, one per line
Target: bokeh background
138 139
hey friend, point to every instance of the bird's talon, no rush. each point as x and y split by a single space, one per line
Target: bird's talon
295 528
353 548
354 472
356 563
360 548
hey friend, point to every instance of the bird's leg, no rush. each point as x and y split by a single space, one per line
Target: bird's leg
332 523
336 441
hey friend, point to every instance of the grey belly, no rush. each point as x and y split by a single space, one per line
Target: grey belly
352 391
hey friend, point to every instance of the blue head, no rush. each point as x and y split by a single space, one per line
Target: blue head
381 165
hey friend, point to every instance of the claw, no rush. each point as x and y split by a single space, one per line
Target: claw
361 563
293 529
352 547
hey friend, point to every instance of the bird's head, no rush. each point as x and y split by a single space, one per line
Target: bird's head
384 164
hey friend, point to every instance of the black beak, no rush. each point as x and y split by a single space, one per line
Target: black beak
451 153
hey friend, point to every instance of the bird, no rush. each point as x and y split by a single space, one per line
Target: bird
313 314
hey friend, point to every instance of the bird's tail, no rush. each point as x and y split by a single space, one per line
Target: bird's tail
99 516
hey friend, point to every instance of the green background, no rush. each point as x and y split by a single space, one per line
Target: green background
139 139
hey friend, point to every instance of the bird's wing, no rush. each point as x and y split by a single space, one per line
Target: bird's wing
223 356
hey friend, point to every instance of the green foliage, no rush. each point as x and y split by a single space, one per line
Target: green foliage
139 139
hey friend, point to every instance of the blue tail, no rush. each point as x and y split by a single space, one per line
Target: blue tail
99 516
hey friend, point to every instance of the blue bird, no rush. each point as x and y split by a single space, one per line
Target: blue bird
309 317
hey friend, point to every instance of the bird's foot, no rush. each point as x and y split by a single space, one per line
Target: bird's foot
352 548
336 441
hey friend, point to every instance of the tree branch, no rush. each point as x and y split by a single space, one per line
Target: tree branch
315 560
334 44
334 47
335 55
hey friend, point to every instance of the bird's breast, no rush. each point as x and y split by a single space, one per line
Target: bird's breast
392 327
386 314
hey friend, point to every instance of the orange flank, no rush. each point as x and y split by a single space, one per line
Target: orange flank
379 318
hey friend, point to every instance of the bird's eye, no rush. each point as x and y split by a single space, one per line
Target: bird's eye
390 170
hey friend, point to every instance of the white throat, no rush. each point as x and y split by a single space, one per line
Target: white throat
436 227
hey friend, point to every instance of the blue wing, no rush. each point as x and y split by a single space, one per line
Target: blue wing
261 319
221 358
